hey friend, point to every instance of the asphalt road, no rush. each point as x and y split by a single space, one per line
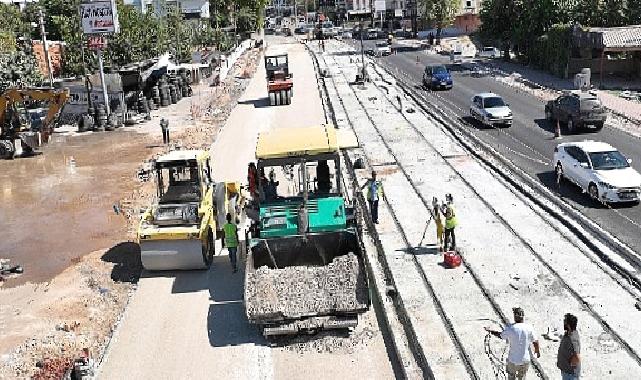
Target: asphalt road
529 142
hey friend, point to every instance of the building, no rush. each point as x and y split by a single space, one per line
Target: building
189 8
18 3
607 52
468 19
55 49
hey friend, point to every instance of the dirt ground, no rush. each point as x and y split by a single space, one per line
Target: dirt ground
62 210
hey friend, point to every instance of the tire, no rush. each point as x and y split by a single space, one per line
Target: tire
7 150
288 100
209 250
598 126
593 191
272 98
558 170
571 126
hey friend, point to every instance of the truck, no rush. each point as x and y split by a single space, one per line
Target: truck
305 267
179 230
577 109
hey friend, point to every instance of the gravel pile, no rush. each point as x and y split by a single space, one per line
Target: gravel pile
299 291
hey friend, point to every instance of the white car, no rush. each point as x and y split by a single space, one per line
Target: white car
599 169
489 52
490 109
383 49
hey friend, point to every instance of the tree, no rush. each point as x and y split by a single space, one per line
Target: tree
633 12
439 13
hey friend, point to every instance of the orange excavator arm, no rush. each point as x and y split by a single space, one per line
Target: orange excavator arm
55 98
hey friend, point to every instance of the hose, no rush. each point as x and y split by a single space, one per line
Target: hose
497 361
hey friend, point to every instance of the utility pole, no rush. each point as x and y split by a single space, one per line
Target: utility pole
102 82
43 33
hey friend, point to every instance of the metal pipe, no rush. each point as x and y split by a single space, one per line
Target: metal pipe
102 82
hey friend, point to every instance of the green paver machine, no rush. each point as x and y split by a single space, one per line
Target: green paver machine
305 269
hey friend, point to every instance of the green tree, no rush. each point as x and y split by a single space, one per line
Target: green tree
439 13
633 12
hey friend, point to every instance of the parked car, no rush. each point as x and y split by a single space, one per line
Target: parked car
489 52
578 109
383 49
347 34
456 56
372 34
599 169
437 76
301 30
490 109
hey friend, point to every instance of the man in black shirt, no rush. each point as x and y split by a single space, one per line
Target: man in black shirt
568 359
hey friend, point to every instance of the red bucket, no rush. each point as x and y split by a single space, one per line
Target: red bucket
451 259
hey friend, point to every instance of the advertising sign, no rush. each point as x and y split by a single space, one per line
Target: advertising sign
99 17
96 42
379 5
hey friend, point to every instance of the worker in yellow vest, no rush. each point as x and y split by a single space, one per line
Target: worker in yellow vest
450 224
231 241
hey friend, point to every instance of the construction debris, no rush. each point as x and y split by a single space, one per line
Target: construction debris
298 291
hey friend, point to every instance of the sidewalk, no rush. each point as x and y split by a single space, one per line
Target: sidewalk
513 257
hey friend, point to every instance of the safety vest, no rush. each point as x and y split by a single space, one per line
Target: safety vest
450 218
231 240
379 190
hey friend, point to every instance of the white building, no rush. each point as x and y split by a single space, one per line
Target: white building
190 8
18 3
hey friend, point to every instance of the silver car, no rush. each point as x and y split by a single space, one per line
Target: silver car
490 109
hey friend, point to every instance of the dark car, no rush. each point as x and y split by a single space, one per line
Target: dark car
581 109
437 76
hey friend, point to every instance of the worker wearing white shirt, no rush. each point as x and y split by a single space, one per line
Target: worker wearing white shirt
519 336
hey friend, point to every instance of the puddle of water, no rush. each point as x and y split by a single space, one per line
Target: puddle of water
58 206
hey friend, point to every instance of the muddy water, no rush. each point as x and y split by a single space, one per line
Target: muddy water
58 206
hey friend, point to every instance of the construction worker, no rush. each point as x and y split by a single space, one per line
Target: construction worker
450 224
252 180
231 241
439 227
568 358
164 126
374 193
519 336
324 184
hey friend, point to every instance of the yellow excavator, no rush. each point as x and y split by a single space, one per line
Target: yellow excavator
179 230
20 134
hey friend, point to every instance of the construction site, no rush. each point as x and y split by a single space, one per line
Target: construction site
230 231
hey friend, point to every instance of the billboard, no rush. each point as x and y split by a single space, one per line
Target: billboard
379 5
99 17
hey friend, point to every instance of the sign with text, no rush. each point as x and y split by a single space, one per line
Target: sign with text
97 42
99 17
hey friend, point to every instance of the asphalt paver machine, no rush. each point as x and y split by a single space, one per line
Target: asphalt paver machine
305 269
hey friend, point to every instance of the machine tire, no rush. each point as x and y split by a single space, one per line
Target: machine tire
599 126
209 250
7 150
570 126
558 169
593 191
